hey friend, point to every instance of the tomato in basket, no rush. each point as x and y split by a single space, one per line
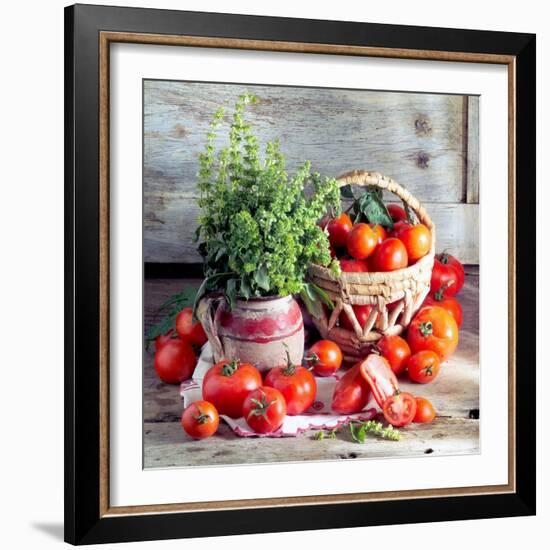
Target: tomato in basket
362 241
417 240
390 255
338 230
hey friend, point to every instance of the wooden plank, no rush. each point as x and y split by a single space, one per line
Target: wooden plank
421 144
472 150
169 237
455 395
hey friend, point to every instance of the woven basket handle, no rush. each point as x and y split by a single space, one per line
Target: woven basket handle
364 178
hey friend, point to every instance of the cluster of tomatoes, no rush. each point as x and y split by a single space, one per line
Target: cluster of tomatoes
237 389
363 247
175 357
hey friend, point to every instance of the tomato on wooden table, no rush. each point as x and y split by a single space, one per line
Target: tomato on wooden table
433 328
175 361
297 385
362 314
399 409
325 357
448 259
353 266
447 277
227 383
264 409
200 420
362 241
163 339
389 256
351 393
189 330
423 367
396 350
338 230
425 411
452 305
396 212
417 240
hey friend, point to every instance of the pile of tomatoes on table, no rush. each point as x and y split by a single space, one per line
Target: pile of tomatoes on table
238 390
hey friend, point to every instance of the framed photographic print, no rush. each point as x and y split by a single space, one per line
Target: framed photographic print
299 266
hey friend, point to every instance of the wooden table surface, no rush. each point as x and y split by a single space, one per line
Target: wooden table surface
454 394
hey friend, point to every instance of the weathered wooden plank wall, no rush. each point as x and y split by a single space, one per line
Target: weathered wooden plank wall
426 142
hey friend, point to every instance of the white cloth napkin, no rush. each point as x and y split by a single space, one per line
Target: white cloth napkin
318 417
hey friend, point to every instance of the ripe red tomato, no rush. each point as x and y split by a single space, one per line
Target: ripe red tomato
351 393
362 241
187 330
338 230
425 411
448 259
452 305
361 312
175 361
227 384
200 419
445 278
163 339
399 409
397 212
379 231
396 350
417 240
357 266
423 367
264 409
398 227
297 385
325 357
390 255
435 329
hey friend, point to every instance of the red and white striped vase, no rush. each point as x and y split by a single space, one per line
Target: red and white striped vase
255 331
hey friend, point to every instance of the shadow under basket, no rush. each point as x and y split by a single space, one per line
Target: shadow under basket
395 296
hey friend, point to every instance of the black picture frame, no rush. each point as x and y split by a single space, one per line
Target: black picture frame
84 523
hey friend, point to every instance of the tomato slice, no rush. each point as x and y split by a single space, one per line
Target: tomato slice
399 409
377 372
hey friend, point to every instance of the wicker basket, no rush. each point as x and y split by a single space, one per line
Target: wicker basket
405 289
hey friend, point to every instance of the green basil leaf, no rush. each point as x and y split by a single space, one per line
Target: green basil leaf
231 292
261 277
374 210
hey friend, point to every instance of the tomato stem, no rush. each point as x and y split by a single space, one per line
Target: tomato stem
230 368
290 368
426 328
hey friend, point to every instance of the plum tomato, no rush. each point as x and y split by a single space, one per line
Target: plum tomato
297 385
399 409
362 314
264 409
433 328
189 330
175 361
425 411
397 212
200 420
357 266
452 305
362 241
227 383
396 350
423 367
351 393
325 357
417 240
338 230
390 255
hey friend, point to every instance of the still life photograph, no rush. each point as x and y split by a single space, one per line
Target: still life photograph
311 274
